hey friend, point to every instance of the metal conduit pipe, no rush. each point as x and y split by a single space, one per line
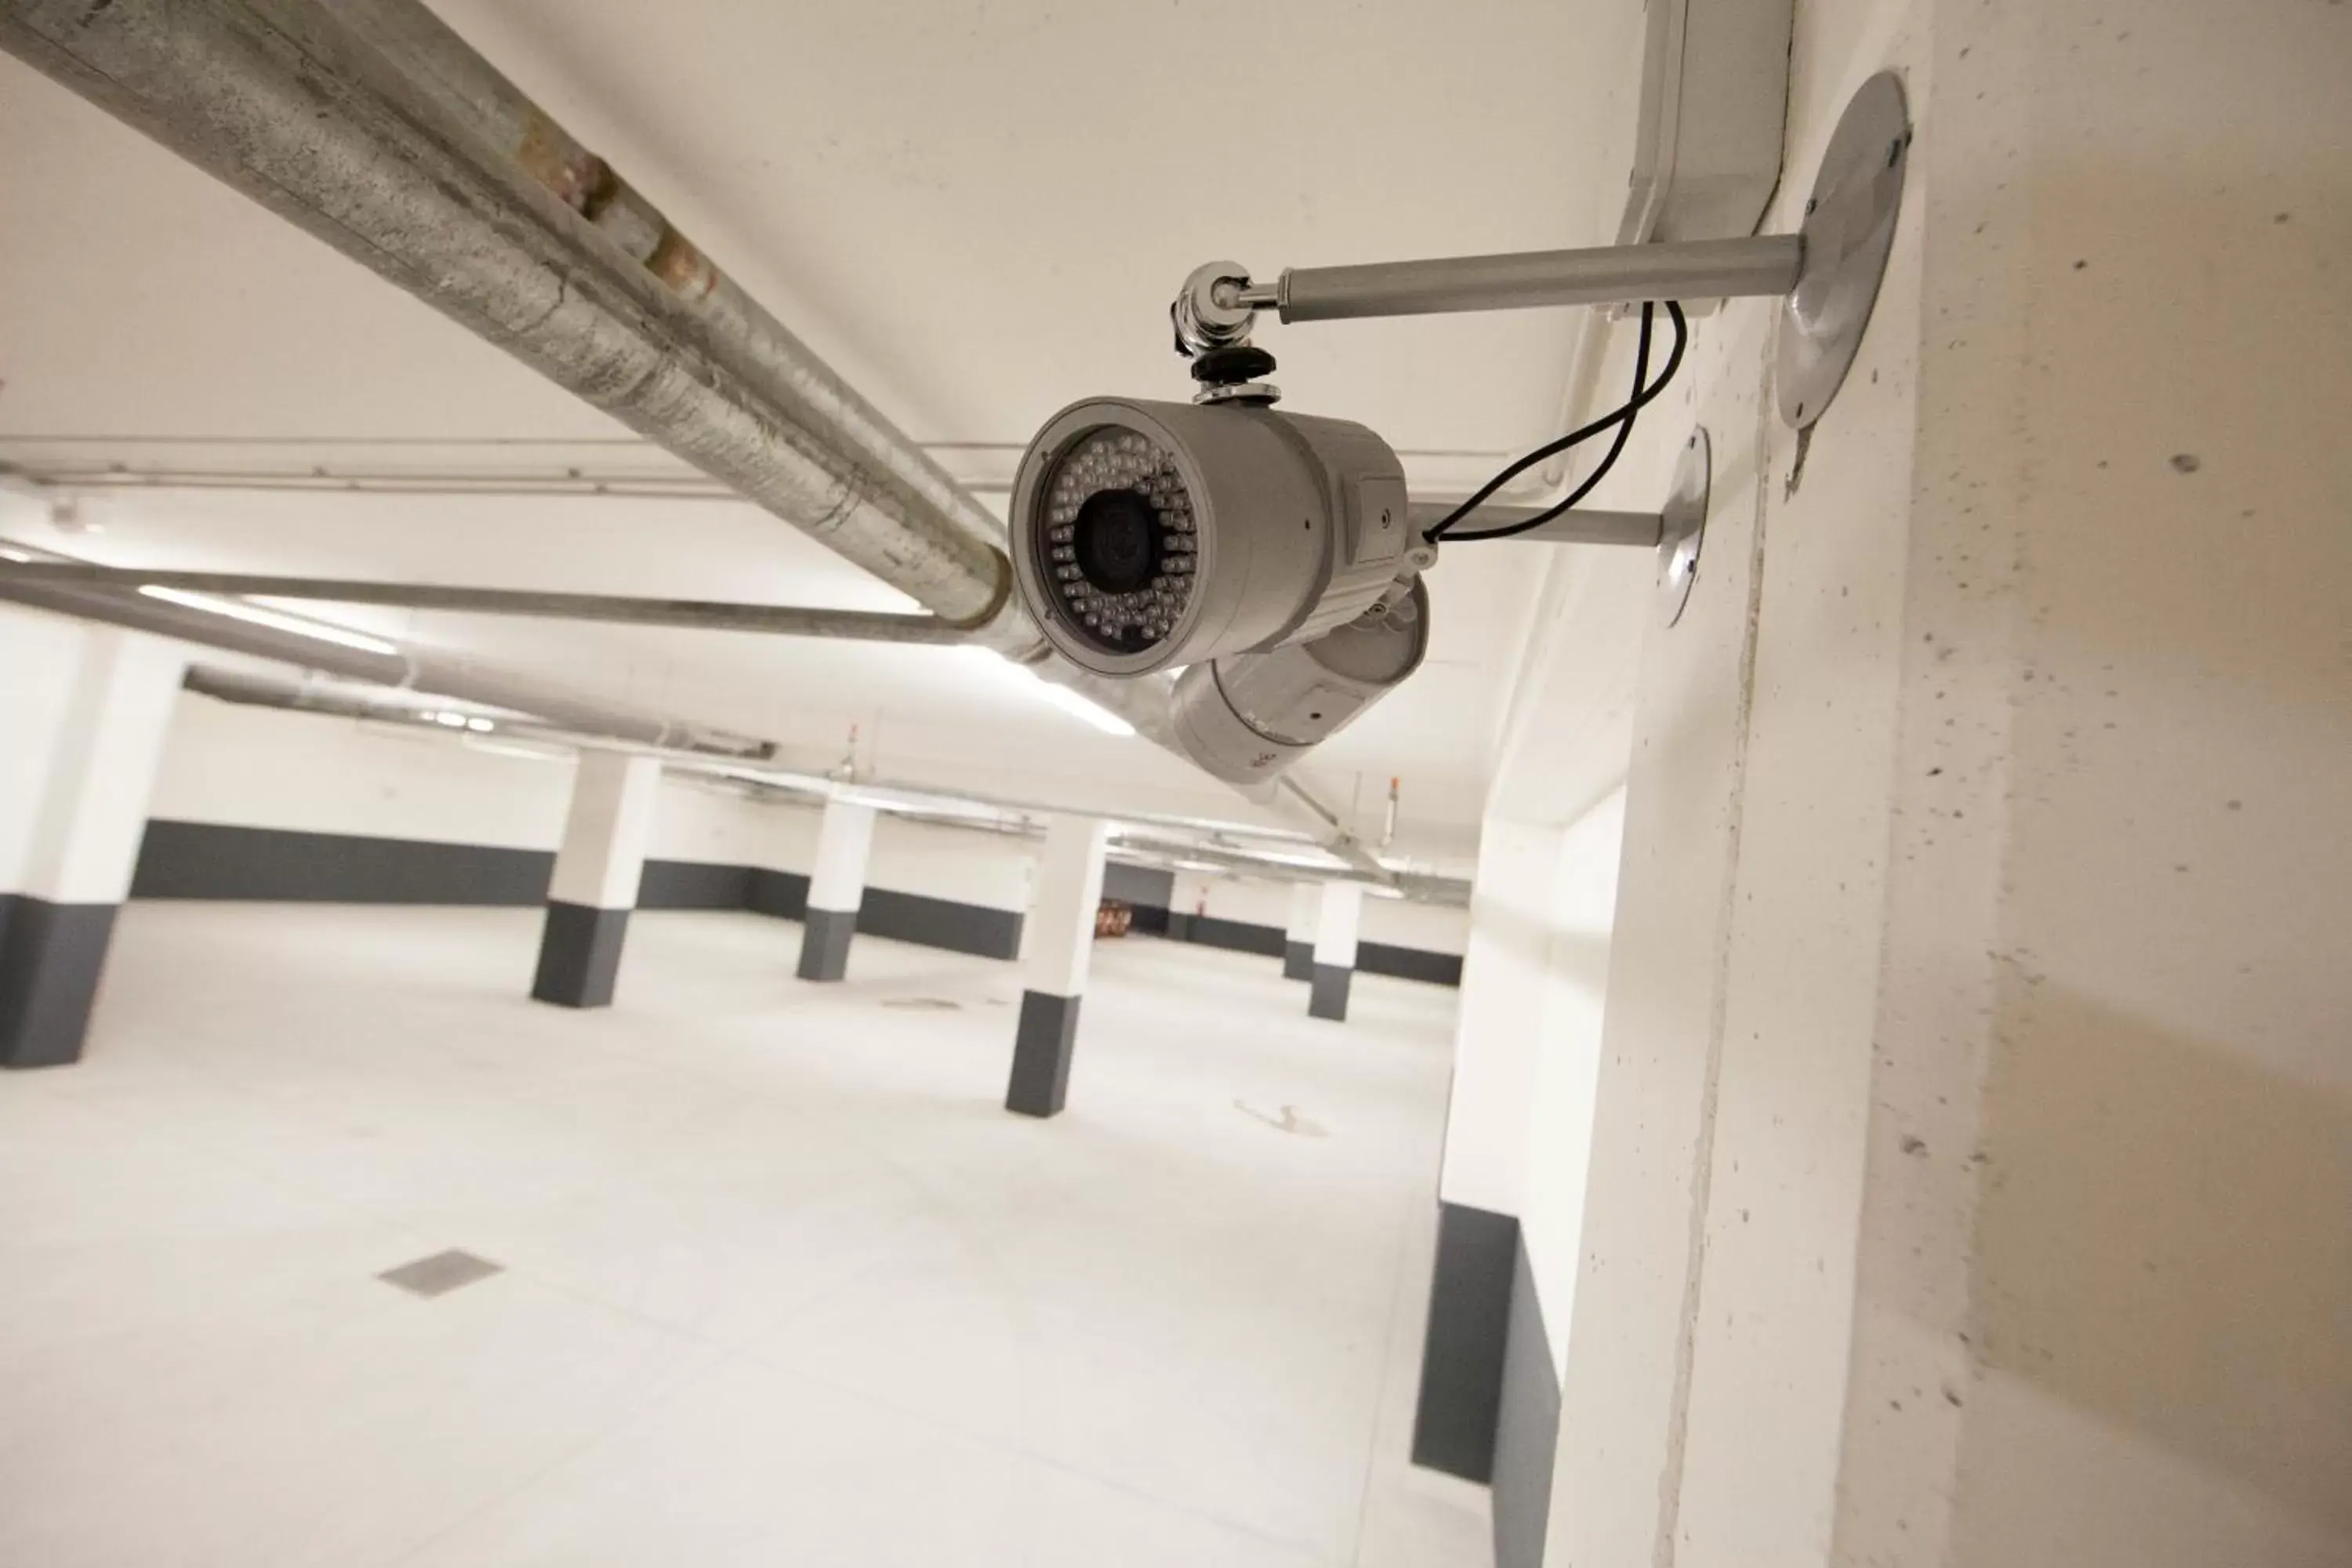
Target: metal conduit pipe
409 669
514 129
694 614
476 94
284 101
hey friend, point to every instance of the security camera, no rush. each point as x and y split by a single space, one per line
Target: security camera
1148 536
1247 716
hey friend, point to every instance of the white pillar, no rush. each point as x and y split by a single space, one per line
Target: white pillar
597 870
86 775
843 842
1340 913
1057 945
1298 941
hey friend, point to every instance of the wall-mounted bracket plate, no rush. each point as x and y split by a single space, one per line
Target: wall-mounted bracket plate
1849 229
1683 525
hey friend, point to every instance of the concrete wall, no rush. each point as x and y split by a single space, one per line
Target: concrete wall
1973 1105
31 713
1251 901
1558 1120
261 767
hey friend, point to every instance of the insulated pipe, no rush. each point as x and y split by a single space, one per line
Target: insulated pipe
475 93
698 614
408 669
286 102
282 100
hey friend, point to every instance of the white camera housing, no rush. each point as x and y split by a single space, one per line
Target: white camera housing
1151 535
1247 716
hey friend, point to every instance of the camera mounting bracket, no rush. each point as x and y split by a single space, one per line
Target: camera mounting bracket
1826 275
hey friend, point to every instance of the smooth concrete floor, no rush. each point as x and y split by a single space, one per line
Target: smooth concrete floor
782 1283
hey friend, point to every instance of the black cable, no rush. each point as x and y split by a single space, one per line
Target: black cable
1621 417
1624 416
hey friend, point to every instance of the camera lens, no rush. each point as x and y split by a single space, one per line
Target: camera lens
1117 541
1119 544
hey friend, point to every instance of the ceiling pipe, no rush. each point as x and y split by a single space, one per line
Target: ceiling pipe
1149 837
406 668
696 615
284 101
391 152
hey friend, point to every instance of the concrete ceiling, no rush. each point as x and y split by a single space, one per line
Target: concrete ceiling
976 213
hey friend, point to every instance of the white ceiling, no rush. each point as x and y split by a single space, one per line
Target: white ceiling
976 213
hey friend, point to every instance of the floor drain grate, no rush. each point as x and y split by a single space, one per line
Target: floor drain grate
923 1003
439 1273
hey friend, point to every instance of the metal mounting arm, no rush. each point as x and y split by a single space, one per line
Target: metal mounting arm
1827 274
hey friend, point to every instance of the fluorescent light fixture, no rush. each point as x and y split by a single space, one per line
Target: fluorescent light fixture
237 610
1061 697
450 721
480 725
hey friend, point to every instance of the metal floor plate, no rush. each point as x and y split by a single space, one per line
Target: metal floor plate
441 1273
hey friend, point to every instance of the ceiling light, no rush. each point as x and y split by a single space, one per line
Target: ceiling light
480 725
1061 697
13 555
238 610
450 721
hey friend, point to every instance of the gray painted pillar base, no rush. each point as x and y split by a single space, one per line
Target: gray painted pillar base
50 957
1460 1397
1041 1054
1298 960
1329 997
824 944
579 955
1526 1426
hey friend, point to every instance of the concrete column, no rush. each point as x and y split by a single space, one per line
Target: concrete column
83 781
1298 941
1341 911
1475 1273
1059 940
597 870
836 888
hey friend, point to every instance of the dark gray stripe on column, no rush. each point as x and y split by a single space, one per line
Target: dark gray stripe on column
1041 1054
50 958
1298 960
693 884
1408 963
783 894
1329 997
217 860
579 954
824 944
1461 1396
1526 1427
926 921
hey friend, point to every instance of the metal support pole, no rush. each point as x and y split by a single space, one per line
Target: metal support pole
1764 266
699 615
1577 527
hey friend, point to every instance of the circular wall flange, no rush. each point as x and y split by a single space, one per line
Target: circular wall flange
1849 229
1683 525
